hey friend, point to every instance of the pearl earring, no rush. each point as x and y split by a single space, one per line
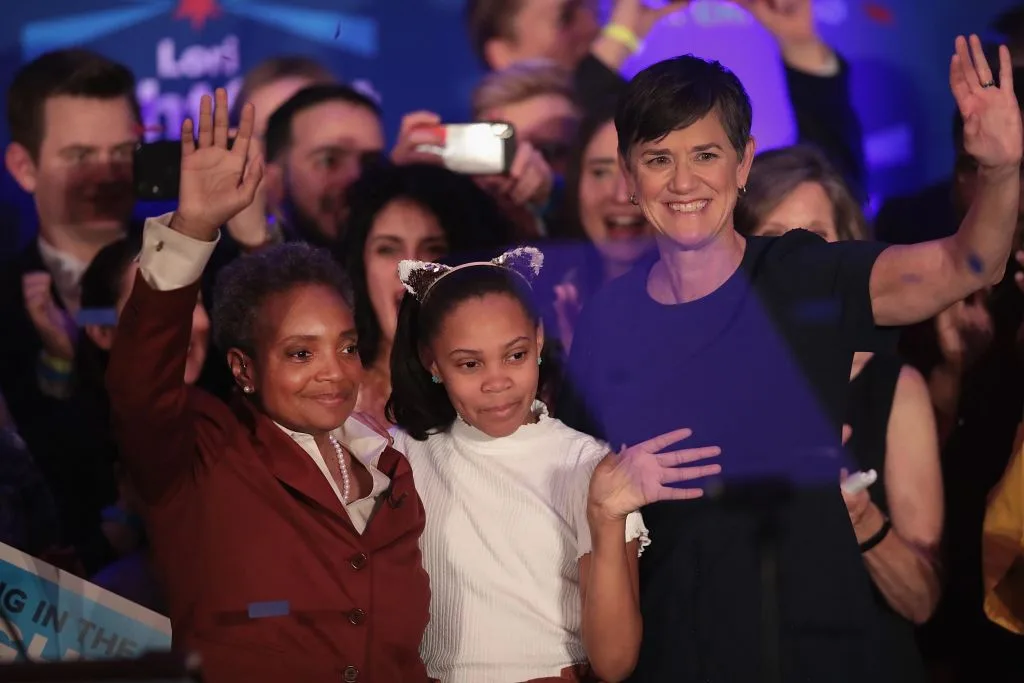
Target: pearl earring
247 389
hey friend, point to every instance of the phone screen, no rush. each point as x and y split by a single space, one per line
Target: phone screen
157 170
482 148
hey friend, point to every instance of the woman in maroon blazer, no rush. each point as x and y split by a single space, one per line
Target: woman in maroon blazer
285 531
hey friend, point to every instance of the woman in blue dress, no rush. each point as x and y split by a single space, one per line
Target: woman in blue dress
749 341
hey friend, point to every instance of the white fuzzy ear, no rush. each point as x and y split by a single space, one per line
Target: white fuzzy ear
418 276
527 261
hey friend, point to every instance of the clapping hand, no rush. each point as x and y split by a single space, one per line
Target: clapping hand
567 311
992 123
626 481
216 182
965 330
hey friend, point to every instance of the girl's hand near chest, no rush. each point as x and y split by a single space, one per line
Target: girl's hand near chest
624 482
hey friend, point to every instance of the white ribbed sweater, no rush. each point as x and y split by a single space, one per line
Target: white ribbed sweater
506 525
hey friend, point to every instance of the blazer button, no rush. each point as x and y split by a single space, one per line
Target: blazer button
358 561
356 616
350 675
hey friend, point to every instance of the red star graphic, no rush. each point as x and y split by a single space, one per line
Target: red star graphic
879 13
197 11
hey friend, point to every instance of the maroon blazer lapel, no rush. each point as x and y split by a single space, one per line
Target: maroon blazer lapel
400 511
287 461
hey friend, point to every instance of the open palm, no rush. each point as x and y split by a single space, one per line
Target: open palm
216 182
992 123
626 481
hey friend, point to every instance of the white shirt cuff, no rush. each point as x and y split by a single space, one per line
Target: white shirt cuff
170 260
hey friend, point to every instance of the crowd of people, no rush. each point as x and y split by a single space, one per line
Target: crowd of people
345 414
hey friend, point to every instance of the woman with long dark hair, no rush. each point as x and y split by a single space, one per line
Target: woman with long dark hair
418 212
603 234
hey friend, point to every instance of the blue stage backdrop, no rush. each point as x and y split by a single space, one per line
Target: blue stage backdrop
414 54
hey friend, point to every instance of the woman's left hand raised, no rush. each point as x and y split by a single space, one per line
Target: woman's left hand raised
626 481
992 118
216 182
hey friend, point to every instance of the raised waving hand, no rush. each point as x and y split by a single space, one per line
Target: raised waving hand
624 482
216 182
992 123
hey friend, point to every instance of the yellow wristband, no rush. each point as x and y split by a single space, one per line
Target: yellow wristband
622 35
59 365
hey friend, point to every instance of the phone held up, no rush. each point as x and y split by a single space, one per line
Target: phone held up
483 148
157 170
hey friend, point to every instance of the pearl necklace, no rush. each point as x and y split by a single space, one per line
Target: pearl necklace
345 483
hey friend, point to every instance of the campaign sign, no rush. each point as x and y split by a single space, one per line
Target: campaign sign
58 616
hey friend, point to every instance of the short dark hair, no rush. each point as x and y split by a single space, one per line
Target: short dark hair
279 126
676 93
776 173
74 72
276 69
418 405
244 285
487 20
101 288
471 220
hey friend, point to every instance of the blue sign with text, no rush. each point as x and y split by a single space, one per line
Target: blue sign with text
51 615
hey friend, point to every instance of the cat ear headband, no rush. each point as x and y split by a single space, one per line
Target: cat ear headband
419 277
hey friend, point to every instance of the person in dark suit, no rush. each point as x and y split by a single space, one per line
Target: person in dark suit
285 530
73 120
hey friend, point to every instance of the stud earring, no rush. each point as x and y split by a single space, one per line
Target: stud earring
632 199
247 389
540 361
435 379
742 190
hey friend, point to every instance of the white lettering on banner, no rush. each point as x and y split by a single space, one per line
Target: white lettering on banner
198 61
163 112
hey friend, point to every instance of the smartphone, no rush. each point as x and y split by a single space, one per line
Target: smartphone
484 148
157 170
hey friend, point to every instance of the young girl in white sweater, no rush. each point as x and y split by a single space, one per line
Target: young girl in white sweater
532 561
